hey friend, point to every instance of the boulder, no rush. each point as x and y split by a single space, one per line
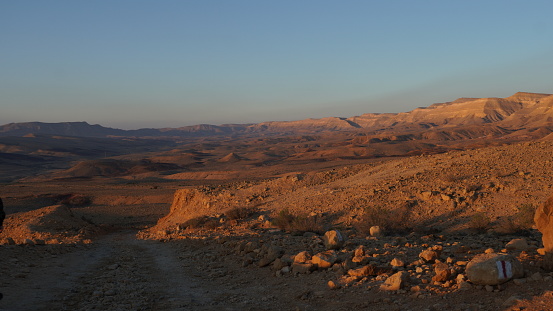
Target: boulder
334 239
325 260
493 269
517 245
396 281
544 222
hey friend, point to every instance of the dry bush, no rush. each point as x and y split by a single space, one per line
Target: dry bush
480 222
389 220
521 221
200 222
240 213
298 223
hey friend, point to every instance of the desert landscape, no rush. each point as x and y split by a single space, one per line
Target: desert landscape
394 211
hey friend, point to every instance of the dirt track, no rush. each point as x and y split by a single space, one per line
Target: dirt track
116 273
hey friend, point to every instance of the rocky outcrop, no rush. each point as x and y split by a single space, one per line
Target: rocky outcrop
544 222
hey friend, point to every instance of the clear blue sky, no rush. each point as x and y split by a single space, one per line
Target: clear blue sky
132 63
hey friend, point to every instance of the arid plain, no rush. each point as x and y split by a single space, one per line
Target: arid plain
233 217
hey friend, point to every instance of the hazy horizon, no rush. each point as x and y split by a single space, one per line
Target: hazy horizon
140 64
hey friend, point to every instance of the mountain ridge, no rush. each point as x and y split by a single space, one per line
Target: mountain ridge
522 109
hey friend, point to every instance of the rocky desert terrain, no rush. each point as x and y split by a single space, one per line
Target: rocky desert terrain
376 212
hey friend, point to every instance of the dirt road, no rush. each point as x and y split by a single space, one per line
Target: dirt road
118 272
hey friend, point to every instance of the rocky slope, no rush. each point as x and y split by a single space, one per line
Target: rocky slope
440 191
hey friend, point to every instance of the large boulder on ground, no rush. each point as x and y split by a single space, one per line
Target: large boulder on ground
544 222
334 239
493 269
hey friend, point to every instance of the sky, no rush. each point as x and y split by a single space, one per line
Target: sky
170 63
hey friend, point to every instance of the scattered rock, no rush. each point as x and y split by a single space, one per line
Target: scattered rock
376 231
333 285
302 268
333 239
325 260
397 263
368 270
302 257
443 273
429 255
395 282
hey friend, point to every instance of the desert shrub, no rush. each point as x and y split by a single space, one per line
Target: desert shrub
389 220
298 223
521 221
200 222
480 222
240 213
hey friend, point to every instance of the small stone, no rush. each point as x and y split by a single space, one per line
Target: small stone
376 231
397 263
429 255
489 288
464 286
302 268
302 257
395 282
110 292
333 285
334 239
325 260
460 278
113 267
489 251
536 277
359 251
512 300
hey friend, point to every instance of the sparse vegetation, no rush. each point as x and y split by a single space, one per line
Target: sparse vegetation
240 213
521 221
396 220
200 222
298 223
480 222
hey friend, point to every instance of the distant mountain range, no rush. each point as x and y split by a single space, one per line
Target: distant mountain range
520 111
